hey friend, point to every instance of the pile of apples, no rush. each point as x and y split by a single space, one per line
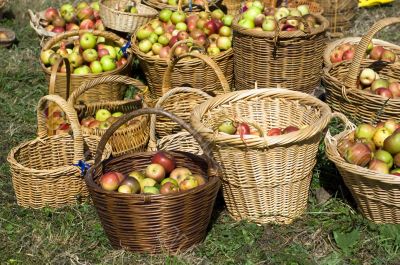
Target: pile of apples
88 54
370 81
230 127
126 8
56 120
256 16
184 2
162 176
103 119
67 18
210 30
376 147
346 51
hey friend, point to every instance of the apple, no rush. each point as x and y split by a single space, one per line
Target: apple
394 87
133 10
396 160
304 10
252 13
86 24
227 20
85 13
147 182
71 26
132 183
349 54
336 56
87 41
164 52
392 143
269 25
124 189
358 154
217 13
96 67
109 181
380 135
155 171
246 23
102 52
81 5
165 159
379 83
45 56
200 23
90 55
370 47
181 26
121 62
102 115
391 125
151 190
178 16
227 127
173 181
201 180
153 37
108 63
95 5
364 131
165 15
180 173
367 76
282 12
224 43
117 114
274 132
99 25
66 8
75 59
384 156
86 121
51 13
58 22
384 92
387 56
69 17
159 30
395 171
145 45
182 35
376 52
137 175
189 182
144 32
225 31
378 166
94 124
290 129
104 125
168 187
58 29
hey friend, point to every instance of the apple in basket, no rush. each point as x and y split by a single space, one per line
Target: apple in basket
274 132
179 174
111 180
156 172
165 159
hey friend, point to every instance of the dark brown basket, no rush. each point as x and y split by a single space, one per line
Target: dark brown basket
154 223
292 60
340 81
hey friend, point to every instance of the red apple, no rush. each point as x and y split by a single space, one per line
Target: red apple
110 181
348 55
290 129
168 187
358 154
86 121
189 182
274 132
376 52
378 166
243 129
165 159
394 87
71 26
384 92
155 171
51 13
87 24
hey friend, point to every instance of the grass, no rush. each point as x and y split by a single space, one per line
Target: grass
331 232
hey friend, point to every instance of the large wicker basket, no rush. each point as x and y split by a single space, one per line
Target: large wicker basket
232 6
287 59
340 81
44 170
132 138
355 40
124 21
340 14
103 92
189 72
377 195
154 223
265 179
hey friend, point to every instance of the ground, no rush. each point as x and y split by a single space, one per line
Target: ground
330 232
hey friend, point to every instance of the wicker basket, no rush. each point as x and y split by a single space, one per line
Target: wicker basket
340 82
103 92
189 72
159 5
154 223
340 14
265 179
287 59
132 138
313 6
232 6
377 195
124 21
10 38
43 170
355 40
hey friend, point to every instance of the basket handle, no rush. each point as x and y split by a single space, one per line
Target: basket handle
350 80
348 125
72 117
206 7
53 76
153 119
205 146
166 85
98 81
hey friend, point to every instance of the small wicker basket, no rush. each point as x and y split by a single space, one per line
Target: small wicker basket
44 170
265 178
377 195
10 37
159 223
124 21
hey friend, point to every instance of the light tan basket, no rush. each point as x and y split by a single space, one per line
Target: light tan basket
377 195
124 21
265 179
132 138
44 170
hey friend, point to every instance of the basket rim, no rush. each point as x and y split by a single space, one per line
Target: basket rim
284 35
64 168
116 12
253 140
93 187
362 172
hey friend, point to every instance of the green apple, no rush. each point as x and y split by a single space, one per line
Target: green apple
151 190
108 63
96 67
227 20
102 115
165 15
45 56
173 181
134 10
117 114
111 51
82 70
88 41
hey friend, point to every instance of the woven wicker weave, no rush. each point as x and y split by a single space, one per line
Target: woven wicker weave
287 59
340 14
132 138
43 170
154 223
355 40
232 6
124 21
188 72
265 179
377 195
340 81
103 92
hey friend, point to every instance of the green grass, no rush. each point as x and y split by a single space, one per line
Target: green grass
331 232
